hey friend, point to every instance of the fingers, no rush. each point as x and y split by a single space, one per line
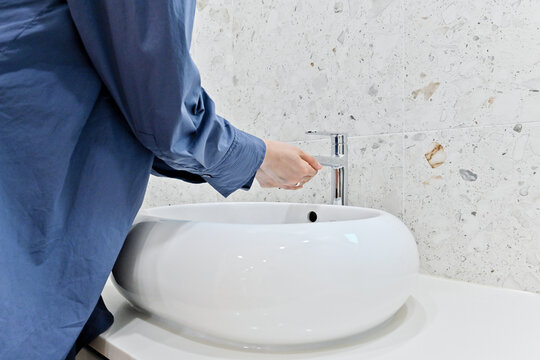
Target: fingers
309 170
310 160
296 179
286 166
291 187
301 183
298 171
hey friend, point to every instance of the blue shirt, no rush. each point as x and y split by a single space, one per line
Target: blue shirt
94 95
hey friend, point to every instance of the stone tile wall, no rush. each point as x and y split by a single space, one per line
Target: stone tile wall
441 100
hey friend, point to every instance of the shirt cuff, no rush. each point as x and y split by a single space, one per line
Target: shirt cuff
240 164
162 169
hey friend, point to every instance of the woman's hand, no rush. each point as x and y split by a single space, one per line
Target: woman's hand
286 166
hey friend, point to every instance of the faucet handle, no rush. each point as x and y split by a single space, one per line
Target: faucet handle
331 133
339 141
337 138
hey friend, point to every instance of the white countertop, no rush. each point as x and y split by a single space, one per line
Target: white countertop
443 319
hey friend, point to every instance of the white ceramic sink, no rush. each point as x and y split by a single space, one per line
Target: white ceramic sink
264 274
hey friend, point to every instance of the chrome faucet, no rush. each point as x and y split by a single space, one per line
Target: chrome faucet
338 162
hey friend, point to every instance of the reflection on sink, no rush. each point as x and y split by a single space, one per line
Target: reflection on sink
268 275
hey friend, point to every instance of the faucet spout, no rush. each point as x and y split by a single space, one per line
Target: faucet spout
332 161
338 162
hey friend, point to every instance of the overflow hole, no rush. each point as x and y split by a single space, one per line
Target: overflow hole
312 216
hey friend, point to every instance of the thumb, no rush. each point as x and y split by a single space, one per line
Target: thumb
311 161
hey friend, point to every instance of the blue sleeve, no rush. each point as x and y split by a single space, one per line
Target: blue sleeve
161 169
140 48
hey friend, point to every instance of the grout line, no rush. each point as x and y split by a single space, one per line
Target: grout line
421 131
471 127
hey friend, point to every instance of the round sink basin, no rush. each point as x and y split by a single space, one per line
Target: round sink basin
268 274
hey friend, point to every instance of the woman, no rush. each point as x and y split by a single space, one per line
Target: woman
94 96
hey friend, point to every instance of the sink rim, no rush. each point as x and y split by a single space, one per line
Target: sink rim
163 216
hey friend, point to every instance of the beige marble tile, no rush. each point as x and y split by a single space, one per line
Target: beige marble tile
163 191
470 63
475 206
376 172
328 65
211 50
376 68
